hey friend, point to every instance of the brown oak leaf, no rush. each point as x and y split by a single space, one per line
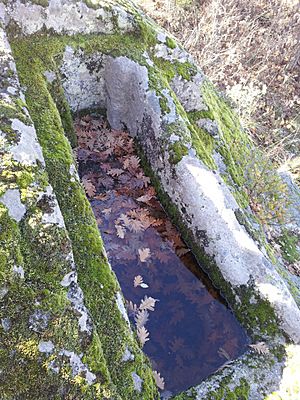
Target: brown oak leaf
89 187
159 380
144 254
143 335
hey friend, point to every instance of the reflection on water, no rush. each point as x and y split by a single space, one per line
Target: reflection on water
189 332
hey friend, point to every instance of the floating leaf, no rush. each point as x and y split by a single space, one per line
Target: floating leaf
141 318
143 335
148 303
144 254
260 348
159 380
137 280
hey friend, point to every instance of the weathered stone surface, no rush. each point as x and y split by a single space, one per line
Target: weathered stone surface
107 55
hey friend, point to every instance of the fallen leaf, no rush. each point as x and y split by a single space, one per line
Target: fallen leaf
144 254
148 303
132 162
106 211
260 348
143 335
141 318
145 199
101 196
120 231
137 280
223 353
159 380
132 308
89 187
181 252
115 172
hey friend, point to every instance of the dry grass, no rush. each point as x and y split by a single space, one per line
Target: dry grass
251 51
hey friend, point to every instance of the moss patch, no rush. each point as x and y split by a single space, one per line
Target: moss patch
288 243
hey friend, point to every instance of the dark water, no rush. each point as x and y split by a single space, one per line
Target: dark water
191 330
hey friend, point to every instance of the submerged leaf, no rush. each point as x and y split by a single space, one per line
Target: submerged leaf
144 254
89 187
132 308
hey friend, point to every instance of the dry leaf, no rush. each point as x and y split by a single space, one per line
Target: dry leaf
181 252
131 307
159 380
106 211
143 335
120 231
145 198
260 347
148 303
137 280
223 353
89 187
101 196
132 162
136 226
141 318
176 344
115 172
144 254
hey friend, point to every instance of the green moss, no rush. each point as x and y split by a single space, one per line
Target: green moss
177 150
63 107
163 102
13 110
240 392
43 3
235 146
10 253
171 69
288 243
171 43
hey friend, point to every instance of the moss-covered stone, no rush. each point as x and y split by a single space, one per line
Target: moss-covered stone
94 274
